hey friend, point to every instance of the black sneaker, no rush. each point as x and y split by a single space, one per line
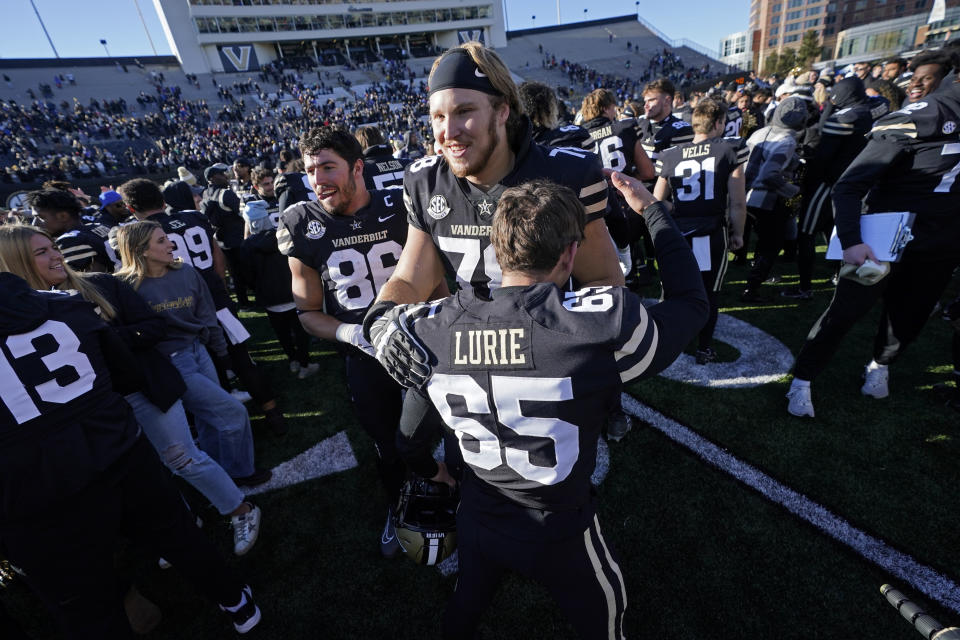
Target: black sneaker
705 356
258 477
796 293
245 614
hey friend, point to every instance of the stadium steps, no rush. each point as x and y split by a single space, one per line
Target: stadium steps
592 46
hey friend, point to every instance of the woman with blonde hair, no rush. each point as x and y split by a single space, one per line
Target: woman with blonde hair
178 293
154 391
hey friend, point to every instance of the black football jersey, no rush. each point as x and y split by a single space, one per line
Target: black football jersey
567 135
524 379
54 369
698 174
88 242
291 188
910 163
192 238
734 122
354 255
842 137
61 424
657 136
614 142
381 170
457 215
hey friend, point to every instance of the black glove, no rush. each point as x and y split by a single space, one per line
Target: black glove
400 353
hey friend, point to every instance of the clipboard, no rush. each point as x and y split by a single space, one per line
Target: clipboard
886 233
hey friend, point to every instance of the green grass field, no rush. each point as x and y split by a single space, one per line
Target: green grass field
703 554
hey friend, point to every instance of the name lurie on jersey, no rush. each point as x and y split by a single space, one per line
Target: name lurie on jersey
364 237
470 229
491 347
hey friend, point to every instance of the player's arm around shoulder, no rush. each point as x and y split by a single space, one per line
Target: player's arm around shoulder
596 262
652 338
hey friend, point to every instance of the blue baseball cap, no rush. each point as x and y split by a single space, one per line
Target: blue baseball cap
109 197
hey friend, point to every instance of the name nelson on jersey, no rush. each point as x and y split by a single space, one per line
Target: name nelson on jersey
483 346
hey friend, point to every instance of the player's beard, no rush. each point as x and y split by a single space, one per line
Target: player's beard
346 193
462 167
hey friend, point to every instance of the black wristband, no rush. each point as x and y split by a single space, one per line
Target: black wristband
376 310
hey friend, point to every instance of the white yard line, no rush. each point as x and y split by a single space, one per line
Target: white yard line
922 578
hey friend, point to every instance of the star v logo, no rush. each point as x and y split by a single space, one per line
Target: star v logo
486 208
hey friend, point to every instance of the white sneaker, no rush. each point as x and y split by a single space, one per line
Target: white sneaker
309 370
876 378
246 530
294 366
241 395
801 404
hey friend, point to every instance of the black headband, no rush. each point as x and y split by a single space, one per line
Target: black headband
457 70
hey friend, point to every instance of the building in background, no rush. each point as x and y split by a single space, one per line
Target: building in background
780 24
240 35
736 50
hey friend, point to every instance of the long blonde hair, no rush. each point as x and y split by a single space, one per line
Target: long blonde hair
16 257
133 240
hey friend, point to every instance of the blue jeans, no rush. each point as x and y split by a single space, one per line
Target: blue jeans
169 434
222 422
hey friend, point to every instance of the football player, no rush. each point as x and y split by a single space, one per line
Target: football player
929 69
85 245
539 102
193 242
699 176
76 470
380 169
842 138
487 147
617 142
341 250
659 128
910 163
262 179
532 348
221 205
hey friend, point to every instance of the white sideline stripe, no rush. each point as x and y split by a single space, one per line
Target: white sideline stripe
920 577
327 456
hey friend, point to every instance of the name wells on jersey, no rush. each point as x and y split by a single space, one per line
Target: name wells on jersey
696 151
484 345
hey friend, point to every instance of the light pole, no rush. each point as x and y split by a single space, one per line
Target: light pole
44 27
104 43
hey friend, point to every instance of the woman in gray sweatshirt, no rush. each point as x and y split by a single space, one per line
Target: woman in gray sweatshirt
178 293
